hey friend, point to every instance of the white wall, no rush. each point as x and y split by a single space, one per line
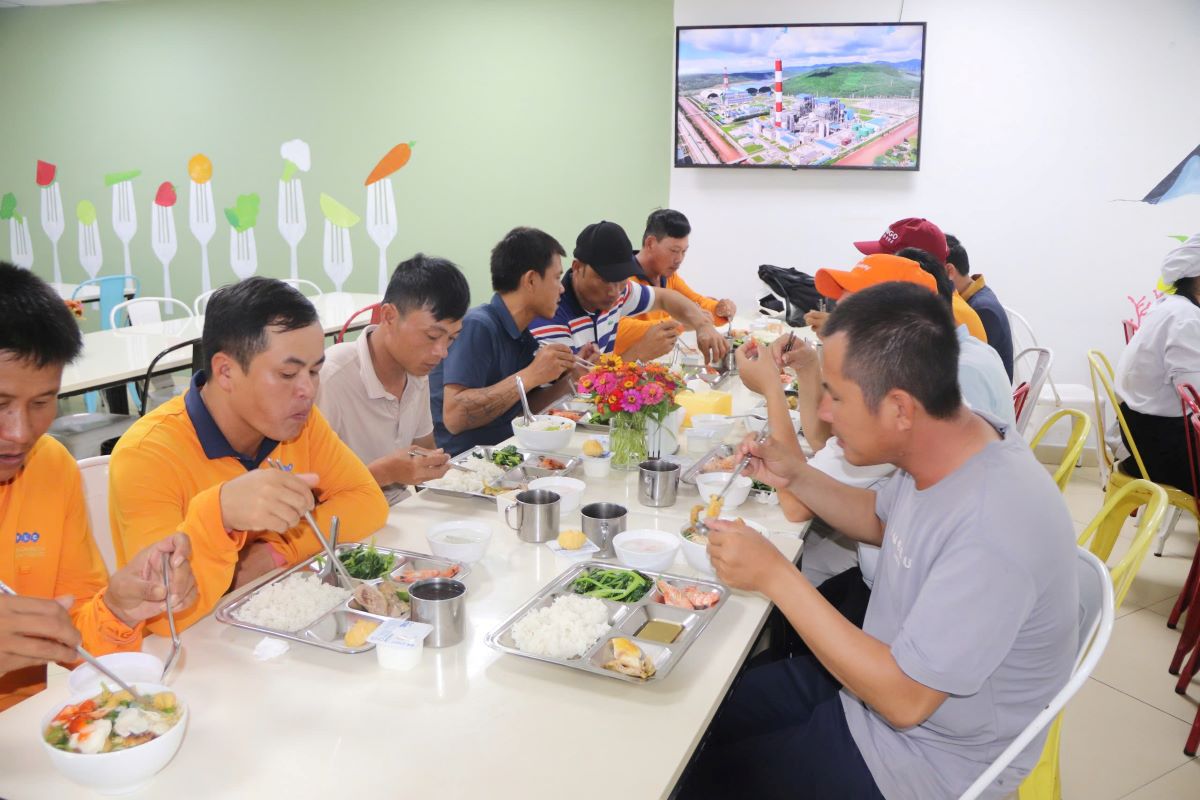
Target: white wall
1039 118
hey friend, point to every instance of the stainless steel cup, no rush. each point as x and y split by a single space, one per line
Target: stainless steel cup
537 515
601 522
658 482
439 602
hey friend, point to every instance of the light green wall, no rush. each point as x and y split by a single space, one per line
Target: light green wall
551 113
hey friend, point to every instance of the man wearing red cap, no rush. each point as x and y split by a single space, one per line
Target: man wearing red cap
923 235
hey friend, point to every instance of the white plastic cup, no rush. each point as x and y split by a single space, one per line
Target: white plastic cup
399 643
597 466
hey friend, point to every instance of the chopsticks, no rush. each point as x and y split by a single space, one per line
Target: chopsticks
166 570
344 577
89 658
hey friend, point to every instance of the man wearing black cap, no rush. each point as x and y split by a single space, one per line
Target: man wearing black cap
597 293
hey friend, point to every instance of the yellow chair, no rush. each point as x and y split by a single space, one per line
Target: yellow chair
1081 425
1113 477
1043 781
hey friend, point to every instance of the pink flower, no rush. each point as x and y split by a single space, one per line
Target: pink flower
631 400
653 393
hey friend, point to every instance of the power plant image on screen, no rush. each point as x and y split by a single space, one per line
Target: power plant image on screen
806 96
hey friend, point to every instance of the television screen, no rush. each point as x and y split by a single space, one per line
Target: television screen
844 96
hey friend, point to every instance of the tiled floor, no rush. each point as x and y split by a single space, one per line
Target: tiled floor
1123 734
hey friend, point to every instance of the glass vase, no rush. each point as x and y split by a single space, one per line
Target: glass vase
627 440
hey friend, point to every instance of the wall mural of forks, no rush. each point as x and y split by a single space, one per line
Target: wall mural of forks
91 258
124 215
202 219
243 255
337 256
53 222
381 205
162 231
20 246
293 223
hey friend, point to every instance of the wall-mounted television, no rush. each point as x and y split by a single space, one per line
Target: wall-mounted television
843 96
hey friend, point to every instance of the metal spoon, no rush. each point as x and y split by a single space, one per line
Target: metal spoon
166 571
138 698
344 577
700 527
524 401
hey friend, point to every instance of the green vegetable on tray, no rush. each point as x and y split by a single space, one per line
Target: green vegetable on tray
759 486
367 563
507 457
622 585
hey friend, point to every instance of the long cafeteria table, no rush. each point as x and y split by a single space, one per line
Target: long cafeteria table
468 721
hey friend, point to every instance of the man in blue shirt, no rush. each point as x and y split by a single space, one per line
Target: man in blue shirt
473 392
980 297
598 293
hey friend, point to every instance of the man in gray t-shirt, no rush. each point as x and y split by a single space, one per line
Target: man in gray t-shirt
972 625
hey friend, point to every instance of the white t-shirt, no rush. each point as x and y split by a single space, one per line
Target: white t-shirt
1164 353
371 420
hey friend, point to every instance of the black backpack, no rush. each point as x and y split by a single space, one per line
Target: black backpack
796 289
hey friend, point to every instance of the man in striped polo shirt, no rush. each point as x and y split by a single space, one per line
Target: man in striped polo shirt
598 293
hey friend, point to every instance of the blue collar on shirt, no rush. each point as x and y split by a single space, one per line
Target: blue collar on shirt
211 439
501 312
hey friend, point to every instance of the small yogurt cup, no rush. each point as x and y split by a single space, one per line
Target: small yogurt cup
399 643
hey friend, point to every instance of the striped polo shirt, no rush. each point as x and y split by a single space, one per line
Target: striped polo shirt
576 328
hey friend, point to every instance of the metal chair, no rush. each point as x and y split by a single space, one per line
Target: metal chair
1110 472
1129 328
374 320
300 284
145 311
1189 638
1096 616
1037 379
201 302
1021 328
1081 425
113 290
144 390
94 474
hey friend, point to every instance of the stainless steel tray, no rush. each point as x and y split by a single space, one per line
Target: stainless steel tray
515 478
577 403
625 619
720 451
328 630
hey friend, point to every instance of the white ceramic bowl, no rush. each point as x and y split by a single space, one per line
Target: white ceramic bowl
463 540
129 667
720 425
696 554
710 483
546 441
645 548
569 491
756 425
121 771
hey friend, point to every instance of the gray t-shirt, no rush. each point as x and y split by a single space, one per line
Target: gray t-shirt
977 596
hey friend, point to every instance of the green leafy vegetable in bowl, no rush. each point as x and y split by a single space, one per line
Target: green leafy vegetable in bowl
622 585
367 563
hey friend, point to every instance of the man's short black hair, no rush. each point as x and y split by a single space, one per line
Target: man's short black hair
899 336
958 256
237 317
431 283
35 324
667 223
522 250
930 264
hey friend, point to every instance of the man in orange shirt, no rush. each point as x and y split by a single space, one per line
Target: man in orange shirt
65 597
198 463
664 245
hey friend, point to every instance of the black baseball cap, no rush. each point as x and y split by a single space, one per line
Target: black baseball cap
605 247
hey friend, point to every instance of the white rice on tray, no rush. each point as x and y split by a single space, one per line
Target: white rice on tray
459 481
564 629
290 604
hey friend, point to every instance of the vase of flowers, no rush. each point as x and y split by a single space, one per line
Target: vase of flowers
631 397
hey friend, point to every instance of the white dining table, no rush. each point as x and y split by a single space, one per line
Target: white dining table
117 355
467 721
90 293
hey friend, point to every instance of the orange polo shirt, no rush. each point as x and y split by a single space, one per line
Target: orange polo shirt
965 315
166 475
46 550
632 329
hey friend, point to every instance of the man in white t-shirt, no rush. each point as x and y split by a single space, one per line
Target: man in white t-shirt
375 391
973 620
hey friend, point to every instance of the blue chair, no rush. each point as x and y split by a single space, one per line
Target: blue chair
112 291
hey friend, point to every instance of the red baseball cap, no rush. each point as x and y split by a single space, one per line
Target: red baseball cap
872 270
909 232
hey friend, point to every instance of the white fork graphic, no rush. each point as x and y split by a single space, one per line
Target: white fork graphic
21 247
53 223
124 218
338 258
203 224
163 242
381 223
292 221
243 256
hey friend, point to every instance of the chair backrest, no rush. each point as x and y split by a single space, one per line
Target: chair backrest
300 284
144 311
1020 396
1081 426
1102 379
375 315
1129 328
201 301
1096 615
1037 379
144 384
1191 427
1024 338
94 472
1101 533
112 290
